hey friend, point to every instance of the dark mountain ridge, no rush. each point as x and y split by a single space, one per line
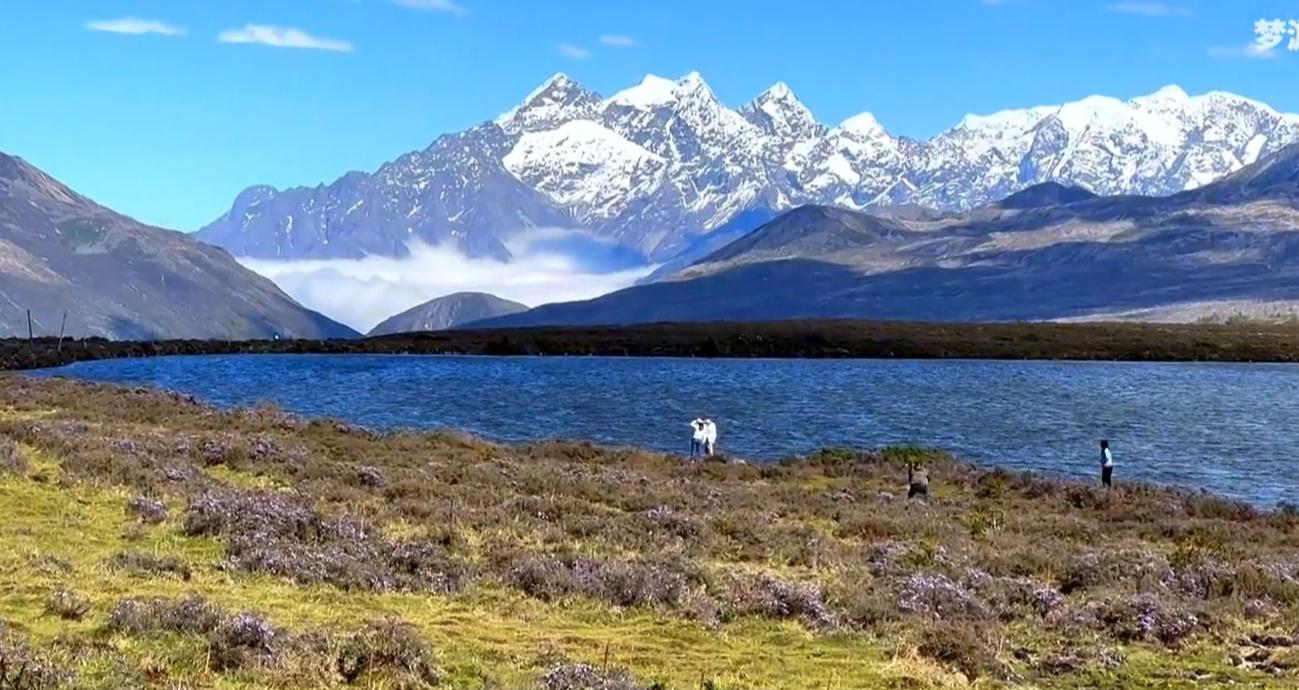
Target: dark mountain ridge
447 311
118 278
1235 239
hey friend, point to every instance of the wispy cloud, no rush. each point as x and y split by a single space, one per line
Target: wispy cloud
135 25
572 51
1149 9
363 292
433 5
618 41
1247 51
282 37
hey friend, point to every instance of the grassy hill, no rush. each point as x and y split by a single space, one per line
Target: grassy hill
149 541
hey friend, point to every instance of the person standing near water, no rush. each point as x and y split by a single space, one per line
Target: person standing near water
697 438
1107 464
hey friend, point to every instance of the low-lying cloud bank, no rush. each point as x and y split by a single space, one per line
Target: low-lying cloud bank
548 266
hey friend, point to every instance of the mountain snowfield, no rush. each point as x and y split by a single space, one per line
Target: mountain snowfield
659 164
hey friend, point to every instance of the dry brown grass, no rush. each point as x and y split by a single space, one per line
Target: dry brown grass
296 540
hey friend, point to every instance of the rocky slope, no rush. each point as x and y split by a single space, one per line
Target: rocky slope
117 278
1046 253
660 165
446 312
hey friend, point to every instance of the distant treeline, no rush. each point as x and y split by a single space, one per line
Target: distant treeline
780 339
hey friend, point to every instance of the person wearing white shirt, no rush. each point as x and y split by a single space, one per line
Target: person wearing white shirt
697 438
1107 464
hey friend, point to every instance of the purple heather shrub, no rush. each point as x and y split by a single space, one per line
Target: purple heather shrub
936 596
148 565
1136 618
626 584
586 677
769 596
369 477
1047 600
1200 578
389 646
190 614
262 448
22 668
241 641
217 451
149 510
280 534
270 514
177 473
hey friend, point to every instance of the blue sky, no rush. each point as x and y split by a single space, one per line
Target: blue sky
169 127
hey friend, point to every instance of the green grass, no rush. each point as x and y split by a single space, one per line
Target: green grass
485 634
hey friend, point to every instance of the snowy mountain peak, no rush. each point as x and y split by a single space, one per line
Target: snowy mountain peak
692 87
779 113
692 80
557 101
863 124
661 164
557 83
656 92
776 92
652 91
1172 92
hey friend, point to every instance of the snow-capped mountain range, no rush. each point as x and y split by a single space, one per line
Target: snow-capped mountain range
657 165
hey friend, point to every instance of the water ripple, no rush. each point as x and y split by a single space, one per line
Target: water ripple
1226 427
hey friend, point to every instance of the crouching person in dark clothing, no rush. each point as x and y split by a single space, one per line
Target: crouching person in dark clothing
917 481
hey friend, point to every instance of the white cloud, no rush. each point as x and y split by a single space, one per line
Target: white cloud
1148 9
281 37
361 293
572 51
1248 51
618 41
434 5
135 25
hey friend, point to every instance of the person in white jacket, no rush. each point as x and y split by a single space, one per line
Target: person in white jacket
710 437
697 438
1107 464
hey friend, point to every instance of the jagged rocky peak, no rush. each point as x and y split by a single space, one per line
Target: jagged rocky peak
250 198
779 113
557 101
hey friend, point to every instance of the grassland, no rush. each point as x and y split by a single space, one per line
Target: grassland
149 541
1231 342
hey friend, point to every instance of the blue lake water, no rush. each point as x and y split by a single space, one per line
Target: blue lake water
1229 428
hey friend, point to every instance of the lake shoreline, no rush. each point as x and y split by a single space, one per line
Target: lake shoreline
827 339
